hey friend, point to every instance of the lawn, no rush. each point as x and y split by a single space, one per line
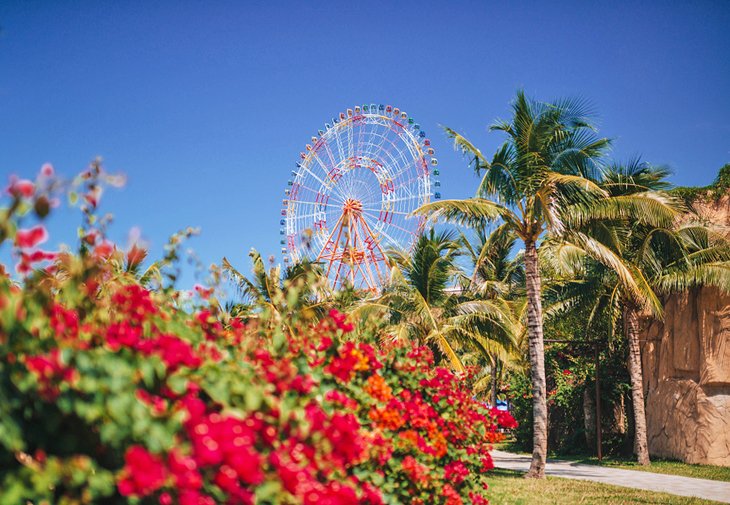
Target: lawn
508 487
658 465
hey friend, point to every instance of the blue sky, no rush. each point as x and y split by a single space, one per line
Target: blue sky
206 105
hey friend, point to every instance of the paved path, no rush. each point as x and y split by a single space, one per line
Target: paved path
683 486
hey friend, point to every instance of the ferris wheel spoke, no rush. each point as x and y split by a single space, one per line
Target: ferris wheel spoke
316 192
350 146
391 224
307 216
340 149
326 145
388 211
296 203
324 184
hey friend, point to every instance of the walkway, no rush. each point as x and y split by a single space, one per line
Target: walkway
673 484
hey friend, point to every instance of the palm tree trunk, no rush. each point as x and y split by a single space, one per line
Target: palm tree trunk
641 446
537 363
494 382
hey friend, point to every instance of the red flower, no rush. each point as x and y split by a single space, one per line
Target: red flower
64 322
452 497
340 320
175 352
456 472
487 463
134 302
135 256
343 432
340 398
477 499
123 334
353 358
50 372
504 419
184 471
158 404
247 463
104 250
415 471
26 239
193 497
143 472
371 495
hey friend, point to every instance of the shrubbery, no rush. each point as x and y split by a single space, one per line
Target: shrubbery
570 370
113 391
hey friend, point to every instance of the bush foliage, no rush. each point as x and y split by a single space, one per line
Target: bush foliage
117 388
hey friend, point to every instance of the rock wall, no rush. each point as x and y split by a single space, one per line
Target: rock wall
686 361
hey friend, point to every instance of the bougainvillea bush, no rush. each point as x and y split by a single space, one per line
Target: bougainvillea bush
112 391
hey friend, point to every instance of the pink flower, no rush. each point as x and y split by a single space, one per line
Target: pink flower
21 188
47 170
31 237
203 291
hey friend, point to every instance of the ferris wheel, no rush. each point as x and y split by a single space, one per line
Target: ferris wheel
352 191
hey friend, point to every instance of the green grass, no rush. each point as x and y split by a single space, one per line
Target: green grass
507 487
658 465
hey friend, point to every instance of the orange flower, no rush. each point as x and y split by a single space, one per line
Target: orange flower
361 361
378 388
387 418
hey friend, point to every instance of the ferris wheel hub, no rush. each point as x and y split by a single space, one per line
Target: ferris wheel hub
352 207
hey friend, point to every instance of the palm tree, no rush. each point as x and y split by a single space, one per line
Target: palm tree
665 259
539 183
497 274
424 306
277 296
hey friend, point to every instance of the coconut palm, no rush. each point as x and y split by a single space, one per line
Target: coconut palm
541 184
497 274
299 289
424 306
667 259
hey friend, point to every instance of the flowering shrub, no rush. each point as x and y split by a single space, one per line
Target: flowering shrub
112 391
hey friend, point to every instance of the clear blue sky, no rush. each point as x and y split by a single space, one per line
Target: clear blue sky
206 105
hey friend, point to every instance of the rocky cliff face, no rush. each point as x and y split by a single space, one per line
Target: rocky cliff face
686 360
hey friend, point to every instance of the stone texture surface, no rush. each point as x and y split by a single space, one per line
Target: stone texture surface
686 362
